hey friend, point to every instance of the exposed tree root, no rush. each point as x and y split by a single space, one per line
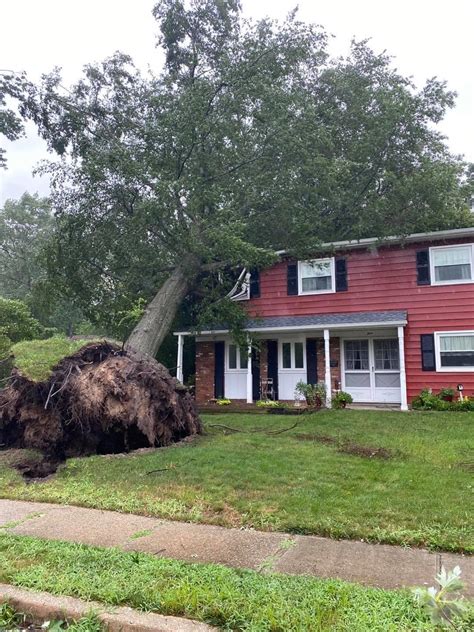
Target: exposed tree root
99 400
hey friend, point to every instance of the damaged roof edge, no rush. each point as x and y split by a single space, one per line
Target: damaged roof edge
413 238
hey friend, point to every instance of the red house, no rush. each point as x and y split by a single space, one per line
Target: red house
380 321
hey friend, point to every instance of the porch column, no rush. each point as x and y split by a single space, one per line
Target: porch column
327 366
403 375
249 375
179 361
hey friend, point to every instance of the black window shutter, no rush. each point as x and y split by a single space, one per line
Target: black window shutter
423 267
311 362
341 275
272 359
292 279
219 353
254 283
428 358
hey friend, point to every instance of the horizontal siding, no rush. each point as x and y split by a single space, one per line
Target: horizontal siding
380 281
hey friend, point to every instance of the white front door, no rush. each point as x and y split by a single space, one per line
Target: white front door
371 370
291 366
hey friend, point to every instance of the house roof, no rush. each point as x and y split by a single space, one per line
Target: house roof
315 321
351 244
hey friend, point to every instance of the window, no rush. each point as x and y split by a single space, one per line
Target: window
292 355
316 276
386 354
237 358
452 264
455 351
357 355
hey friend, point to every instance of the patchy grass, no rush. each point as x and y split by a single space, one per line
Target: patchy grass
10 620
419 496
36 358
229 598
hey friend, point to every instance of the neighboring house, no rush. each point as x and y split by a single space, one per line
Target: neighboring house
380 321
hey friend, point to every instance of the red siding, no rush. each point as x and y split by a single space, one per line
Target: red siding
379 281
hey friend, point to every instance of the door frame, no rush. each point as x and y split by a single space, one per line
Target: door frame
370 339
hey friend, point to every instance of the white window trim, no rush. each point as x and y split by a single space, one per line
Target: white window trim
459 281
227 367
333 277
280 355
450 369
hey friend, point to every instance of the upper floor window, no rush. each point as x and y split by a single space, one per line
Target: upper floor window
237 358
455 350
452 264
316 276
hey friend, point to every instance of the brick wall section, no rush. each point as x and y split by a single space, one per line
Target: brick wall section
205 366
334 354
204 372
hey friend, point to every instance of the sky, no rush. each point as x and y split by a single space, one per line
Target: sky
426 38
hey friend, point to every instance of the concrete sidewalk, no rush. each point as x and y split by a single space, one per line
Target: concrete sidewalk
371 564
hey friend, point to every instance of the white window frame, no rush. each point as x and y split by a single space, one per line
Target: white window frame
331 260
450 369
238 369
291 341
454 282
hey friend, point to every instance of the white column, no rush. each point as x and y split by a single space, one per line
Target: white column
249 375
179 362
403 375
327 365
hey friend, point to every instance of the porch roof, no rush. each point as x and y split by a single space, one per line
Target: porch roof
314 321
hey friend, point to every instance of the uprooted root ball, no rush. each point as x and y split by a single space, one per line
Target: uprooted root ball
99 400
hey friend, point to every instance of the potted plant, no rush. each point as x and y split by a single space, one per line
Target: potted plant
447 394
341 399
314 394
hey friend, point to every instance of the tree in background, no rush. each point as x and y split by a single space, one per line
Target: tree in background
250 139
11 125
27 226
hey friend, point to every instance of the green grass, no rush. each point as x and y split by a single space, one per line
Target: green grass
422 496
36 358
228 598
10 620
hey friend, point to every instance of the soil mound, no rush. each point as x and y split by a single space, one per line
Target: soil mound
102 400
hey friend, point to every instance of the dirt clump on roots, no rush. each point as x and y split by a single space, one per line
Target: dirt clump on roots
100 400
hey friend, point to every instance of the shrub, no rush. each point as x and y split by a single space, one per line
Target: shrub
314 394
447 394
223 401
268 403
427 400
340 399
17 323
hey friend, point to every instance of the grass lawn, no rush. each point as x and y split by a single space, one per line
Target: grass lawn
228 598
422 495
10 620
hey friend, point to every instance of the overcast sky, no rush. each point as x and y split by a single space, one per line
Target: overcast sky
426 38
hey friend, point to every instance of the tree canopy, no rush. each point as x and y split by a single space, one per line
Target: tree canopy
251 138
11 126
27 228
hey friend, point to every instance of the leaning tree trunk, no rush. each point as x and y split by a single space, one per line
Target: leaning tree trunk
159 315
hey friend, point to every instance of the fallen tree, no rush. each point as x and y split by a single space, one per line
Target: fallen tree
100 399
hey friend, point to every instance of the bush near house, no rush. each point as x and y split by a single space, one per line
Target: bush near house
442 401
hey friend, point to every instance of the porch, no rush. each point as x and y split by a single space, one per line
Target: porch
361 353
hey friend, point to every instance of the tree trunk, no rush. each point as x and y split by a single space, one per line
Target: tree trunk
156 322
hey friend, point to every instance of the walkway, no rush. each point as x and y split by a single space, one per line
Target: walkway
371 564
